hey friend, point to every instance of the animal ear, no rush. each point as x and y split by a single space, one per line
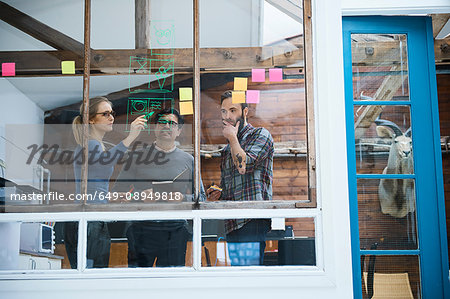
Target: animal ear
384 132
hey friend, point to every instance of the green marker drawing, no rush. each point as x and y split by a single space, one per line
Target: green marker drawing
147 117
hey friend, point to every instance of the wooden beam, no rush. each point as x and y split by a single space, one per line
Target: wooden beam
377 53
114 62
118 61
385 92
39 30
86 84
442 50
309 91
142 24
196 94
439 21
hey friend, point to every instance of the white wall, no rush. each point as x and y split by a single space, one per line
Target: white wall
21 123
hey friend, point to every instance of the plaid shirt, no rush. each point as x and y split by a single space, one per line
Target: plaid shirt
256 183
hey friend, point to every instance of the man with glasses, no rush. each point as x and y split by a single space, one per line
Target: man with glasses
169 181
246 173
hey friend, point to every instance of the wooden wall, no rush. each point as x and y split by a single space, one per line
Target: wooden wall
282 111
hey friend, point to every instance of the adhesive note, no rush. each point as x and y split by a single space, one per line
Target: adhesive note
253 96
238 97
8 69
278 224
186 94
68 67
186 108
240 83
276 75
258 75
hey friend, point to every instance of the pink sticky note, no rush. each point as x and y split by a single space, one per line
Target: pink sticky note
258 75
276 75
8 69
253 96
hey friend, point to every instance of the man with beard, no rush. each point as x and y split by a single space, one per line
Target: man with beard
246 171
163 241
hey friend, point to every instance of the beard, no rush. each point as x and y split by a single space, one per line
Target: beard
239 119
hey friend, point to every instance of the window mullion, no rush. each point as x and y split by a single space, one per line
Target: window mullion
86 82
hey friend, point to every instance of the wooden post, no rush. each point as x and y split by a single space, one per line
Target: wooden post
196 90
309 93
142 24
86 77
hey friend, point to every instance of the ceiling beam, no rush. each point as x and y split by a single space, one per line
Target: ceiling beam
113 62
39 30
439 21
385 92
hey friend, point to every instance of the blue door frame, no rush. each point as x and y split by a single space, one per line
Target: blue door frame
430 205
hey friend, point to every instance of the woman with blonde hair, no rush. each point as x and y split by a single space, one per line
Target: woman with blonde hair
101 164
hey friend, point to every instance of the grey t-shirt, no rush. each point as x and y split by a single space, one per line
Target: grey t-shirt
160 171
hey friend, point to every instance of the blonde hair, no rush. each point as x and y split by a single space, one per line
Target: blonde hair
78 121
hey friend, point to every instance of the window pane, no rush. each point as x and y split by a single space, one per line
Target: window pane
380 67
394 276
258 242
387 214
147 85
36 245
261 61
40 74
383 139
136 244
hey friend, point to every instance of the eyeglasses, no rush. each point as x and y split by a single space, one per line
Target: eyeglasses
163 122
107 114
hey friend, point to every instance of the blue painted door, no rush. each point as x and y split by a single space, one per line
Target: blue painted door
394 159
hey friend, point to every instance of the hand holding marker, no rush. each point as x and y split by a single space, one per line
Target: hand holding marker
147 117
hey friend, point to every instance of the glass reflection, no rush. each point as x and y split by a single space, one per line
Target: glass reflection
261 242
380 67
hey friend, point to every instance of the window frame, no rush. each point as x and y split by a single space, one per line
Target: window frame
221 211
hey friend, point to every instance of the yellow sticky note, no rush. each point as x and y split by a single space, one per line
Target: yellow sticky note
240 83
238 97
186 94
68 67
186 108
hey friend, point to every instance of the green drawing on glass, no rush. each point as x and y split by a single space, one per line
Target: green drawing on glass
138 65
147 107
162 36
147 117
165 73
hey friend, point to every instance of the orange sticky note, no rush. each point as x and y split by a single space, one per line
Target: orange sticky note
68 67
238 97
240 83
186 108
185 94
